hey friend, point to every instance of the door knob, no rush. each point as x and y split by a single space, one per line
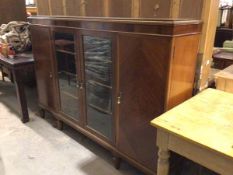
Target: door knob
50 75
119 98
81 86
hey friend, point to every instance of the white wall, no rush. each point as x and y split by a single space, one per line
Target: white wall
226 2
30 2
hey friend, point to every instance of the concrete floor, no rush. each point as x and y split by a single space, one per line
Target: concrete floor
37 148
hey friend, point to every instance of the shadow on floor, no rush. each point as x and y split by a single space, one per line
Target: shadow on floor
93 147
2 169
8 97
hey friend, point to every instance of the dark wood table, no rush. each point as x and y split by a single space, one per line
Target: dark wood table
222 59
21 63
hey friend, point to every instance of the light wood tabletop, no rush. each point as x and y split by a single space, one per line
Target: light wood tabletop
205 120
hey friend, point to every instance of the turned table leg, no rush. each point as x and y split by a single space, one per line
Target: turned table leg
21 96
163 162
163 153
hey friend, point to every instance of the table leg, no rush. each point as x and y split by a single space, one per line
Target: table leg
163 162
21 96
163 153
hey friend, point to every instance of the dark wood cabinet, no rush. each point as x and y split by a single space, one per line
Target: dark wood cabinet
113 76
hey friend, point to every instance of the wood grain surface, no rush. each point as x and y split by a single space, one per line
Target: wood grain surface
206 119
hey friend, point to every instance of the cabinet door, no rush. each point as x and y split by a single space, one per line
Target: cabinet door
120 8
11 10
143 70
68 72
98 59
94 8
155 8
42 51
57 7
73 7
191 9
43 7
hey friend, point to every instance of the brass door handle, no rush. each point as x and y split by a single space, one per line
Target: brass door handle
119 98
50 75
156 8
79 85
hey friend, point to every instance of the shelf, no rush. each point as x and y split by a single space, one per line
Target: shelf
67 73
63 42
69 94
96 58
65 51
99 109
93 82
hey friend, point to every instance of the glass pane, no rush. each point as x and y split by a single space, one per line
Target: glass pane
67 75
98 74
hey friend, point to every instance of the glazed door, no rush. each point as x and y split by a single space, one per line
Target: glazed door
99 83
42 51
68 72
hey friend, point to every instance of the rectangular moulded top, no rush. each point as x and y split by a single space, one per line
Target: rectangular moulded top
163 26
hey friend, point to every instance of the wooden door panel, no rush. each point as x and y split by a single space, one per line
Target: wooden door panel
183 69
191 9
11 10
120 8
73 7
155 8
143 67
43 7
57 7
94 8
42 52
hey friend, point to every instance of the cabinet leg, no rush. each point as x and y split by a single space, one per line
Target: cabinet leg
117 162
163 162
59 125
42 113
